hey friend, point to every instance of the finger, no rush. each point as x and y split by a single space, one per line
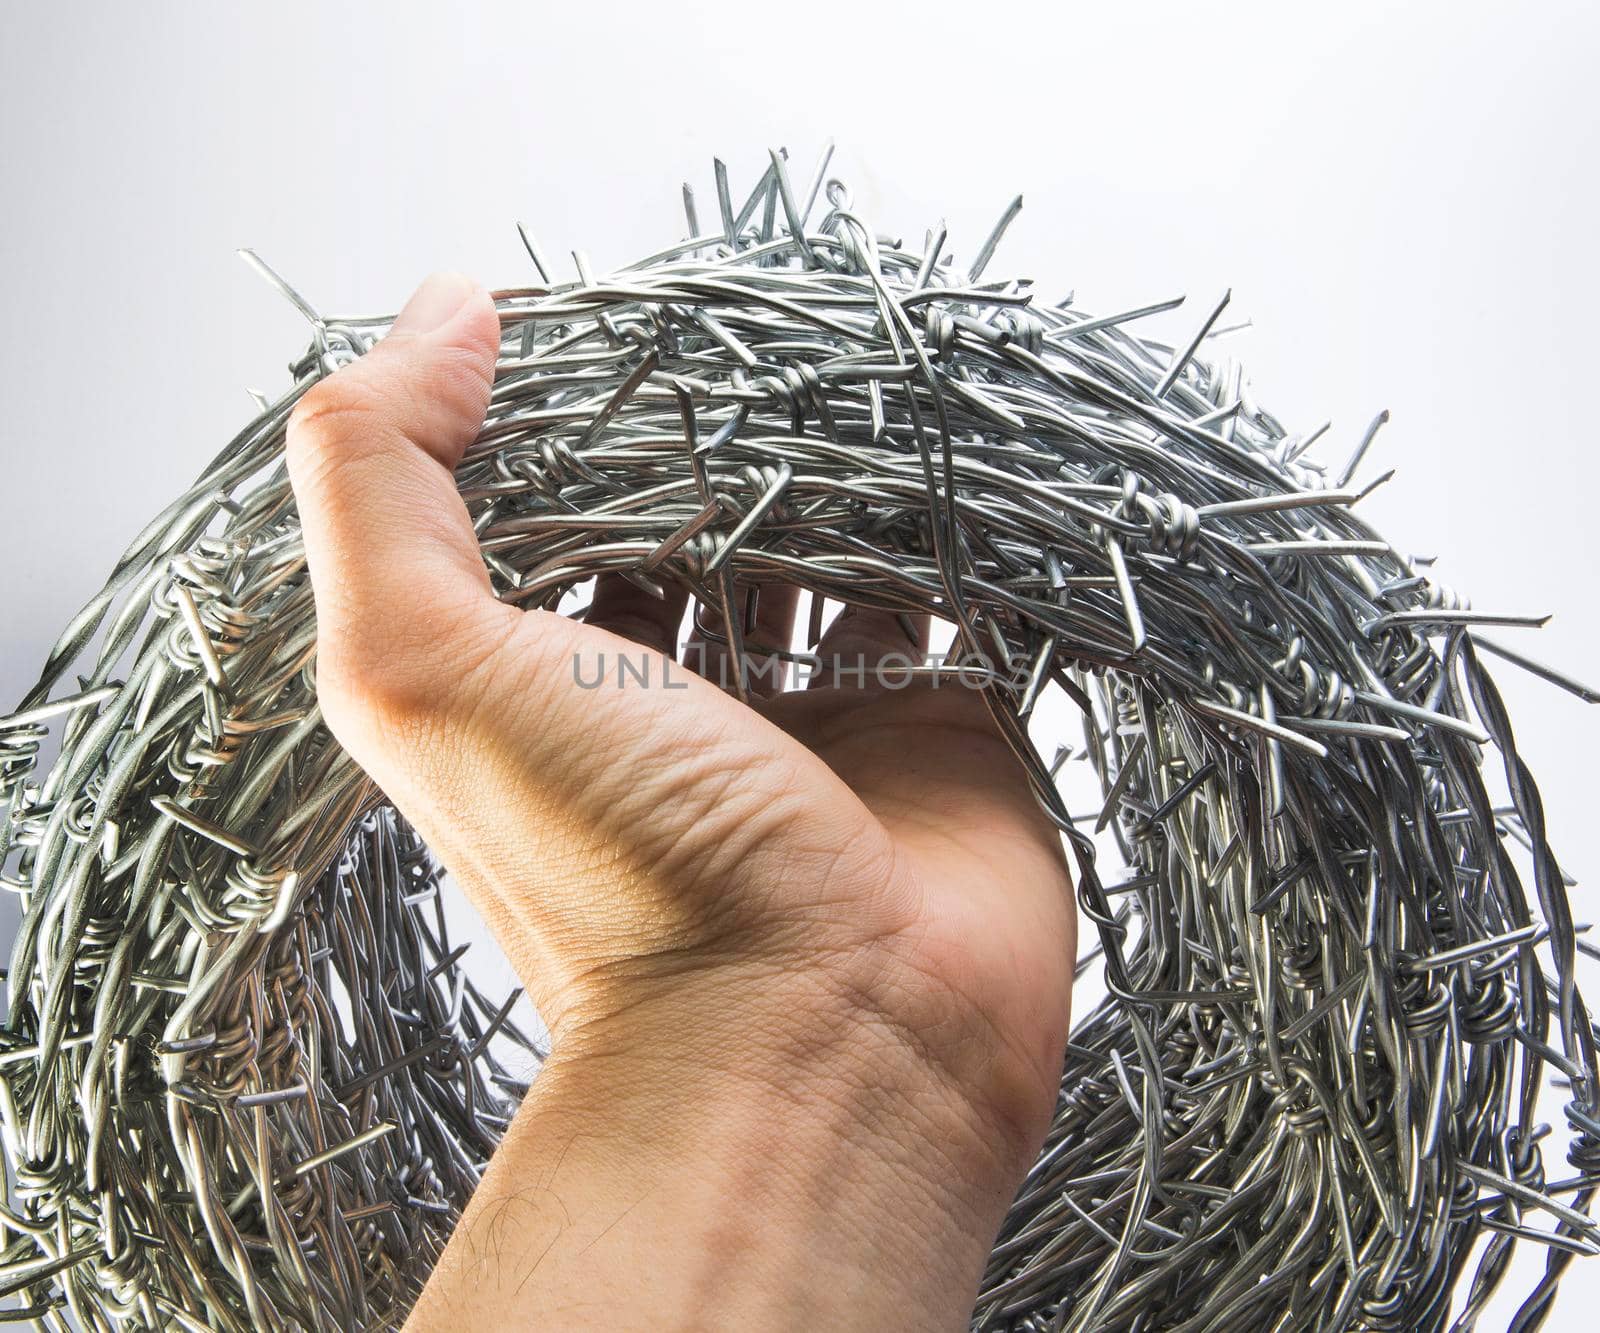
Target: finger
624 608
864 646
710 653
399 584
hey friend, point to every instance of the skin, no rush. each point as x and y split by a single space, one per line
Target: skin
806 964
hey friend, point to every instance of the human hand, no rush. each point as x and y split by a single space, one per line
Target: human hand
806 964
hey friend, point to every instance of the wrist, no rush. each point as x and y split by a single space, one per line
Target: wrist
851 1049
756 1151
848 1181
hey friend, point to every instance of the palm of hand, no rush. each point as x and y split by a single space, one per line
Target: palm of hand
994 928
879 839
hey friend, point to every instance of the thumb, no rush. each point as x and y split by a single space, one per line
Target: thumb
401 590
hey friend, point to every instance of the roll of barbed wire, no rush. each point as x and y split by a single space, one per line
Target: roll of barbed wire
248 1079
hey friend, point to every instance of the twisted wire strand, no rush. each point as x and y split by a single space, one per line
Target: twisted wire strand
248 1081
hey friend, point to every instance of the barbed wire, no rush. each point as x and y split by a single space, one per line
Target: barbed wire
248 1081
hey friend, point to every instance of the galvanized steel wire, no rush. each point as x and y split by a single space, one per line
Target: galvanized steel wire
247 1079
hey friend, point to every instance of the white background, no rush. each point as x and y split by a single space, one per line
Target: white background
1403 198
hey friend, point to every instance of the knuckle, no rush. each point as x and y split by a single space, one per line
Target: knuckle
374 701
340 409
410 682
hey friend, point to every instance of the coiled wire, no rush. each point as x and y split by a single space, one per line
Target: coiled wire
248 1081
